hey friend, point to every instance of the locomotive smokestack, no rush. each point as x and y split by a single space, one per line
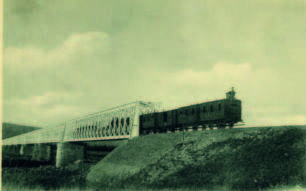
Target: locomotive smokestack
231 94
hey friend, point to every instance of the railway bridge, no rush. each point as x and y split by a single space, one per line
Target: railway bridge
63 143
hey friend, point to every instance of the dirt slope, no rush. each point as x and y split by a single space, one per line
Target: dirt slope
238 158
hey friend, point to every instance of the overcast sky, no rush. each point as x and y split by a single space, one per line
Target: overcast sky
64 59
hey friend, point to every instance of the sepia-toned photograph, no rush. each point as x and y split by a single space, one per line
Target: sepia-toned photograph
153 95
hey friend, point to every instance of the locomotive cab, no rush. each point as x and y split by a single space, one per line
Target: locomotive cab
232 107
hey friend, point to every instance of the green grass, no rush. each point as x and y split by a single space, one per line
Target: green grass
37 188
217 188
45 177
237 159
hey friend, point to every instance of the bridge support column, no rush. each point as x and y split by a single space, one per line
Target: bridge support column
67 153
21 149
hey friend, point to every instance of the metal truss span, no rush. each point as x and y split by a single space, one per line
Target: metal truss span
117 127
121 122
117 123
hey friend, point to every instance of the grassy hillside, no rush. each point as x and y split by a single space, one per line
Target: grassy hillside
129 158
11 130
249 158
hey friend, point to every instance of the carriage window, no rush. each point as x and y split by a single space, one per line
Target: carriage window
211 108
204 109
186 112
192 111
219 106
165 117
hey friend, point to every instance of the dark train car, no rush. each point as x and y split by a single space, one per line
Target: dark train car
147 121
212 112
217 113
188 115
158 122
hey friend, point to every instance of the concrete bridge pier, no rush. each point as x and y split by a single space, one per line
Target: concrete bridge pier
67 153
21 150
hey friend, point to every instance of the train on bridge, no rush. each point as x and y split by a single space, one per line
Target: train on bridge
218 113
139 118
122 122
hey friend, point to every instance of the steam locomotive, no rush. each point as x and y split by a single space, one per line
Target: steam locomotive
218 113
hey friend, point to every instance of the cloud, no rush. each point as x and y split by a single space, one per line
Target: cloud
31 70
41 101
221 73
77 45
37 81
84 43
47 108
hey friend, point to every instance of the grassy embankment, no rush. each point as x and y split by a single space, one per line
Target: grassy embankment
239 159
